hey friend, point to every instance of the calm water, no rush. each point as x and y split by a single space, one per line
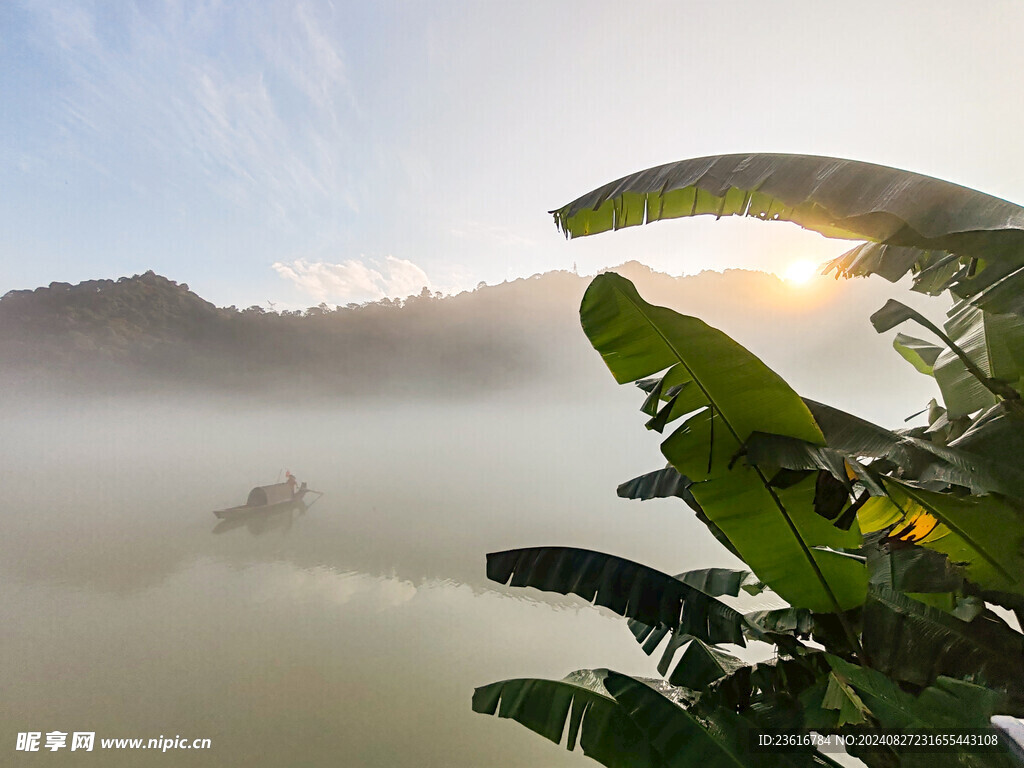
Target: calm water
351 635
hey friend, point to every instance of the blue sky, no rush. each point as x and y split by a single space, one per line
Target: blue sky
334 151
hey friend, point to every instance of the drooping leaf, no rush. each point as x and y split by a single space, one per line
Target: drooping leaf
578 705
981 361
660 484
913 642
947 235
711 581
980 463
667 482
919 353
627 588
717 739
743 396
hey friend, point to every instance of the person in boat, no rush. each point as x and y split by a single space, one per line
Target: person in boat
290 479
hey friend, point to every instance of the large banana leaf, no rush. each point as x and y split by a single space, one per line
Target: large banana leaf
947 235
627 588
913 642
578 704
774 530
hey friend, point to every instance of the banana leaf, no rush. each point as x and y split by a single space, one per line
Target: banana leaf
949 236
919 353
702 664
579 705
911 568
946 704
717 739
915 643
774 530
981 463
667 482
627 588
770 694
982 359
712 581
983 536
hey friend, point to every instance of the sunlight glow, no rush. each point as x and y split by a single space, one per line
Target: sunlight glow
799 272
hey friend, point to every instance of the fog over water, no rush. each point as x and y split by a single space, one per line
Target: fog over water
352 634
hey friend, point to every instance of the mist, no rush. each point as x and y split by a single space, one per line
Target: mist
355 631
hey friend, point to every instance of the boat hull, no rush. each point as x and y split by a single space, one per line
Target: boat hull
246 510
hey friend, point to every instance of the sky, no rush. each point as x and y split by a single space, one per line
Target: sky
287 154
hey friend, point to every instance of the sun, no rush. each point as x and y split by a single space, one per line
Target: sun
800 272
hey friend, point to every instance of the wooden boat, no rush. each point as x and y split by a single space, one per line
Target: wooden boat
265 499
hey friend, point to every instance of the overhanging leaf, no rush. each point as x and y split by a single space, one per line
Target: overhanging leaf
948 235
627 588
577 707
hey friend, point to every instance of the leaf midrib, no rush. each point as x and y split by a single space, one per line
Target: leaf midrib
764 481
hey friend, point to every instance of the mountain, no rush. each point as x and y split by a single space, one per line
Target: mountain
149 333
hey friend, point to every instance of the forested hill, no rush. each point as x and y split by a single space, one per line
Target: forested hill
148 333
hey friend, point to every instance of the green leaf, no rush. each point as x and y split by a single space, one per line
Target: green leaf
660 484
715 739
945 704
983 463
627 588
702 664
667 482
919 353
774 530
579 705
842 698
983 536
983 357
916 643
947 235
912 569
798 622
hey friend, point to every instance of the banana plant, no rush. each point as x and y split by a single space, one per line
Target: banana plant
893 550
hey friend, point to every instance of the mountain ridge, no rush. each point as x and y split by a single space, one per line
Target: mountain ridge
147 333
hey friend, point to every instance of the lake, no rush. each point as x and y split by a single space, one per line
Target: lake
353 634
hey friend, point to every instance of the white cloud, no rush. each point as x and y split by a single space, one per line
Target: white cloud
354 280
